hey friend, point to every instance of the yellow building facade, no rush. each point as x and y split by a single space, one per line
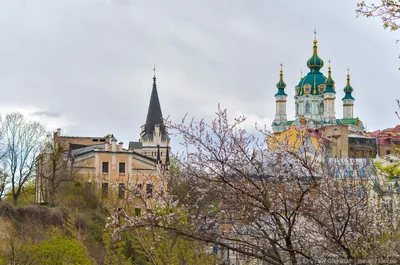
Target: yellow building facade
315 120
104 162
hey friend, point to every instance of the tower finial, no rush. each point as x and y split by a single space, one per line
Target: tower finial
348 89
329 82
281 84
154 70
315 62
301 74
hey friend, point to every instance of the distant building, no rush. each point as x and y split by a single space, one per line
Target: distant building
315 97
388 140
103 161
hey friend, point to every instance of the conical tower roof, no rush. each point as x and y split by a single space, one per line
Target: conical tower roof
154 113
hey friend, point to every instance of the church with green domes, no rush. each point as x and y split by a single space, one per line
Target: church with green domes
315 97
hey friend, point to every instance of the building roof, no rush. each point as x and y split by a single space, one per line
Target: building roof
281 85
314 82
329 82
360 136
348 89
135 145
352 121
87 149
289 122
91 148
387 133
310 84
154 114
315 62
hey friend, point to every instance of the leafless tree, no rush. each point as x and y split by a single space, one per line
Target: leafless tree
23 141
387 10
3 175
54 168
3 179
279 206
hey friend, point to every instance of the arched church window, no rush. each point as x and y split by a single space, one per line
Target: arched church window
321 108
308 108
297 109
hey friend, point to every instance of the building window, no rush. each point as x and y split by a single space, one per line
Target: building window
139 188
388 152
149 190
121 190
321 108
348 190
308 108
349 172
337 174
122 168
297 109
138 211
104 189
362 173
104 167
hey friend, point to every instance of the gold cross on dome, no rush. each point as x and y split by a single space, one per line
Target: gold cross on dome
154 70
281 66
315 33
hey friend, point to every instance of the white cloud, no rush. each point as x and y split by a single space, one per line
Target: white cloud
91 60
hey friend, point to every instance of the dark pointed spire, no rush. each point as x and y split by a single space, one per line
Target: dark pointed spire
154 114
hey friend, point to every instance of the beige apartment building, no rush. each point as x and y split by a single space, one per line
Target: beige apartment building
107 164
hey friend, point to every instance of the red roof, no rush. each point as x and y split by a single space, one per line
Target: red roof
388 132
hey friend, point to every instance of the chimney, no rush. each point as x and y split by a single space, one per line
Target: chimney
113 144
121 145
58 132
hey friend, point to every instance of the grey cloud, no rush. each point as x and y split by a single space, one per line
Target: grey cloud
92 60
45 113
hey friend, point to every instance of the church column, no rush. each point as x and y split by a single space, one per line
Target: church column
279 124
329 99
348 100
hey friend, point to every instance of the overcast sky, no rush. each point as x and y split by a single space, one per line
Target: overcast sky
86 65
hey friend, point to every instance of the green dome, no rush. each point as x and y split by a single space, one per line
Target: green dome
315 62
313 84
348 89
281 86
330 83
